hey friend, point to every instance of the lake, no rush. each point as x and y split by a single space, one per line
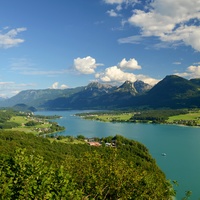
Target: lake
181 145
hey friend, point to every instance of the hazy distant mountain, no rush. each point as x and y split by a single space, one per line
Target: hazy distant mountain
37 97
173 91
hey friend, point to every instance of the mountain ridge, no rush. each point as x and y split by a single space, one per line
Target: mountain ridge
172 91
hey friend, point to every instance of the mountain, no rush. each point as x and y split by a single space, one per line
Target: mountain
128 86
195 81
37 97
141 87
24 108
98 86
171 92
85 99
98 96
135 88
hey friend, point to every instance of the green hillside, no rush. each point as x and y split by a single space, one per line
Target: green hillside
34 168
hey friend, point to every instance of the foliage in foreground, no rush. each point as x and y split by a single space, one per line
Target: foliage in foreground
64 171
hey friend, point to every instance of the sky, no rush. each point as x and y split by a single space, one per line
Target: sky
62 44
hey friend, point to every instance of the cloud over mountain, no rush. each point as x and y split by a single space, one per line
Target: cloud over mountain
85 65
119 74
191 72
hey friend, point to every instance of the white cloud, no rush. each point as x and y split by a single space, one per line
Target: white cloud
112 13
56 86
114 74
114 1
172 22
130 64
177 63
147 79
5 84
120 1
135 39
8 39
86 65
63 86
119 7
118 75
191 72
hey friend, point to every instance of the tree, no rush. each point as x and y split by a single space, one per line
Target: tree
30 177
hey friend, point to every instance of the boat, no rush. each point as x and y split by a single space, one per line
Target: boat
163 154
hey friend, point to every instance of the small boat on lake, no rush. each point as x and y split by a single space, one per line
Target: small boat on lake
163 154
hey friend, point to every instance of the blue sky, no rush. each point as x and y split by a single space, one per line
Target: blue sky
68 43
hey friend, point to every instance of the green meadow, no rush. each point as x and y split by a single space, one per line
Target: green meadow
192 115
110 117
43 126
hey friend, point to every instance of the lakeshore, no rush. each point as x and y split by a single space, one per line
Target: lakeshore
181 117
180 143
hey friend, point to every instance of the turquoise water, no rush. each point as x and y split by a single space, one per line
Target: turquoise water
181 145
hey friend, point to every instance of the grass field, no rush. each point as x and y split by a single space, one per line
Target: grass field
111 117
21 120
192 118
188 116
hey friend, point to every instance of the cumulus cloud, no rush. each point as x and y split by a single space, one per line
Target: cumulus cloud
9 39
172 22
86 65
56 86
191 72
114 74
130 64
117 74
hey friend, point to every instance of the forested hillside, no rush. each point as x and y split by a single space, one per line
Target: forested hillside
34 168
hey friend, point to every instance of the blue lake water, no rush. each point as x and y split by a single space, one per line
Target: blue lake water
181 145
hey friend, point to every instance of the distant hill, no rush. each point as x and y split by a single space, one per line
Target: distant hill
37 97
171 92
24 108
